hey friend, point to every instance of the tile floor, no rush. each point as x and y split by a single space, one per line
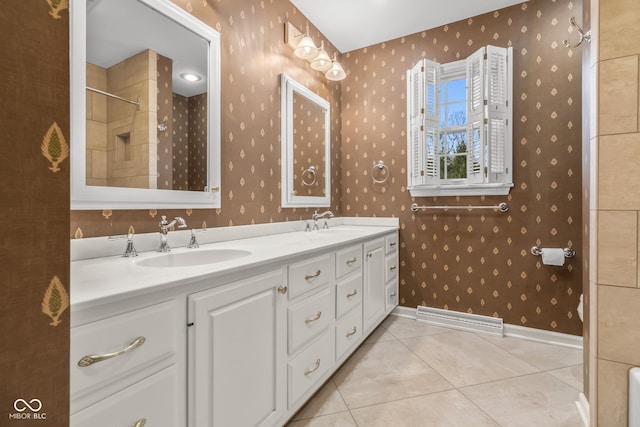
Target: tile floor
413 374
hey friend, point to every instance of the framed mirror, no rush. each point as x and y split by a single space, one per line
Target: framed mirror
306 146
145 107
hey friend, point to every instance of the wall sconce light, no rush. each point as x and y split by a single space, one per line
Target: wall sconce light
304 48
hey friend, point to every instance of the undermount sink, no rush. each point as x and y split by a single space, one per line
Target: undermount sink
193 258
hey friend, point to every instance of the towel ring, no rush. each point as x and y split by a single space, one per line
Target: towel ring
310 173
384 171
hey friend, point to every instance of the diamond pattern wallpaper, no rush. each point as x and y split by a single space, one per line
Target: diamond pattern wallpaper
479 261
476 261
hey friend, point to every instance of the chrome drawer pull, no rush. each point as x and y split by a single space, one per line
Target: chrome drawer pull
310 371
351 332
369 254
313 319
351 261
353 293
90 360
140 423
282 289
393 294
312 276
393 268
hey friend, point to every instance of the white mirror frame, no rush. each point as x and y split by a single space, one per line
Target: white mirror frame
85 197
289 198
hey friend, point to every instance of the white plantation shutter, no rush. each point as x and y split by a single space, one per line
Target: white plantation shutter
431 122
415 125
499 134
476 134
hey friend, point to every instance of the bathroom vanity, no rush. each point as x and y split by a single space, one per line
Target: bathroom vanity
189 340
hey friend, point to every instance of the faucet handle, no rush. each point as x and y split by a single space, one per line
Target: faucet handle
193 242
130 250
326 224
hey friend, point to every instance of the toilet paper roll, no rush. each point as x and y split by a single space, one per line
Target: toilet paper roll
553 256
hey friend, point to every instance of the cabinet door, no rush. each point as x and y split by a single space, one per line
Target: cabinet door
238 353
374 283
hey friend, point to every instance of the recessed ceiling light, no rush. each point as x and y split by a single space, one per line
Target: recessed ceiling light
190 77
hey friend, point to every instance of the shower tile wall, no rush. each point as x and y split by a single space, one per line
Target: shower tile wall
615 209
479 261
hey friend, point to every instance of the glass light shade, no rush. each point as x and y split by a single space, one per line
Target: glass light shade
336 72
322 62
306 48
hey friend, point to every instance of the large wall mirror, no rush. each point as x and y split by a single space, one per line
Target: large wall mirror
145 106
306 147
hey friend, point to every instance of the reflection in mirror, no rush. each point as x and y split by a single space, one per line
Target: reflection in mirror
151 106
306 147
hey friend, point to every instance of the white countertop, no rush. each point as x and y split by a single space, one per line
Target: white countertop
112 278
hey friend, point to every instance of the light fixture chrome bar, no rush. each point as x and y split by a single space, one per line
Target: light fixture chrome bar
101 92
502 207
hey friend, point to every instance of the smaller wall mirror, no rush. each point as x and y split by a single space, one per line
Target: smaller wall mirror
306 147
145 114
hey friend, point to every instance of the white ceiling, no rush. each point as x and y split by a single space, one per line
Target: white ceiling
354 24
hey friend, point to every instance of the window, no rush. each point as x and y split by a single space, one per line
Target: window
460 137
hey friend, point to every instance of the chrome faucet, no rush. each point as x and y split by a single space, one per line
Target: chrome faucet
316 216
164 229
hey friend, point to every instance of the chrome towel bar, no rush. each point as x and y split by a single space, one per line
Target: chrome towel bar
502 207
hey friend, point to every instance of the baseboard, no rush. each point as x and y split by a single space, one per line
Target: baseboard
583 409
516 331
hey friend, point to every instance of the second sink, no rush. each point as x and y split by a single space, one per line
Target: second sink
193 258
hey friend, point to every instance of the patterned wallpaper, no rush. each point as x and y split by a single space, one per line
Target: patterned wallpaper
165 117
180 142
197 142
34 301
468 261
253 56
308 147
479 261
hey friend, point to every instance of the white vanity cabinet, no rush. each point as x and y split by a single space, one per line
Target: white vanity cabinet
127 368
245 346
237 347
374 283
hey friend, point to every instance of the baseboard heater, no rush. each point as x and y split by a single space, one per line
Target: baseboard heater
458 320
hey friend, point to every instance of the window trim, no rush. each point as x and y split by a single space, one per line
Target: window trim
498 184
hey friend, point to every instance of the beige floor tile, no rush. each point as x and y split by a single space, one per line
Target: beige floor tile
531 400
401 327
543 356
571 375
448 408
383 372
463 358
341 419
381 334
326 401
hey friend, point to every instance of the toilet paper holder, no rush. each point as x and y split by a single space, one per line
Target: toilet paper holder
568 252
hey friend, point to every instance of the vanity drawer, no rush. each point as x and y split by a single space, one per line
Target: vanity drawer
391 268
348 294
140 342
308 319
391 292
348 260
348 332
307 275
391 243
309 366
154 399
